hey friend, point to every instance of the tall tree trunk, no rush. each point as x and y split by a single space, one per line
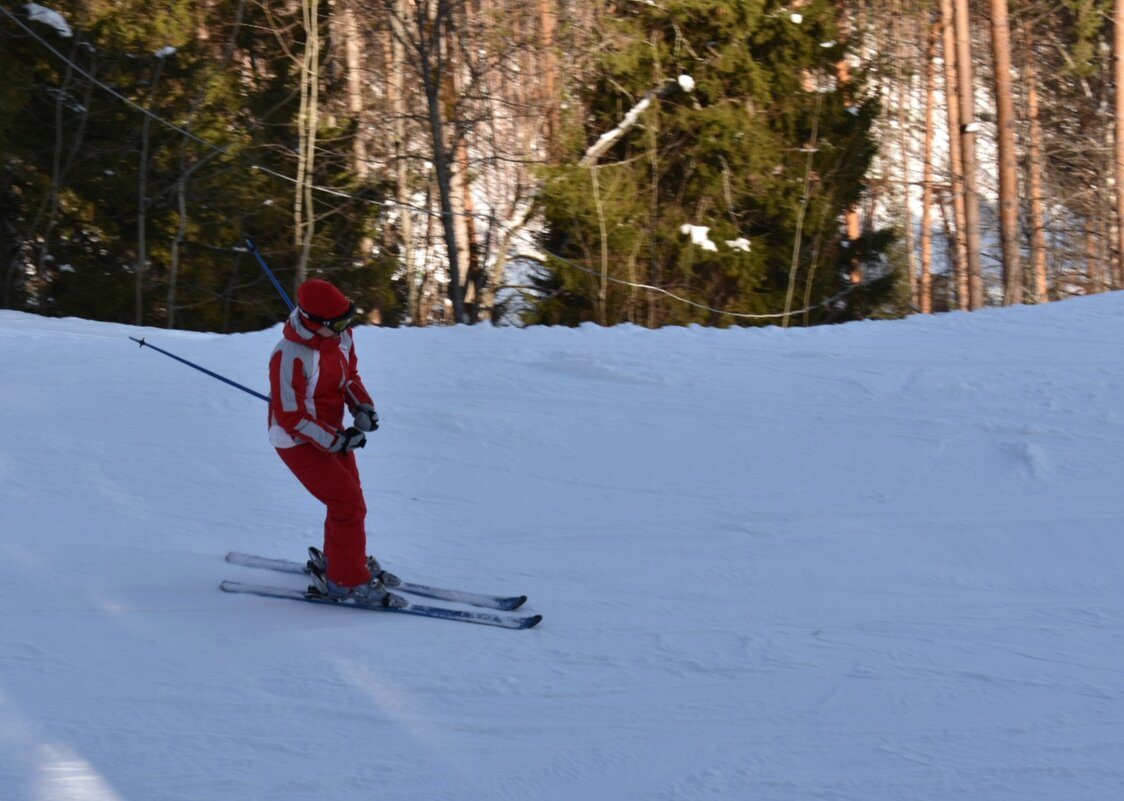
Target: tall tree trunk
904 102
548 22
968 126
308 121
396 93
354 56
1092 260
955 156
925 299
1008 156
1038 257
466 232
811 149
431 19
1118 160
843 77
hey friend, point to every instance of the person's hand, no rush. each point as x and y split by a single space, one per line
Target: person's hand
349 440
366 418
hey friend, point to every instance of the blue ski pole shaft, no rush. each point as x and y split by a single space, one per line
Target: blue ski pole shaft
225 380
257 254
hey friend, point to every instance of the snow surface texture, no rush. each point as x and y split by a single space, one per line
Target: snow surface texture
878 562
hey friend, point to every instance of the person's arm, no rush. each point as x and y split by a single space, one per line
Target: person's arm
359 400
288 386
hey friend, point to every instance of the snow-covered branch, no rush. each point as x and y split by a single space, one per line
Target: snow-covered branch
606 140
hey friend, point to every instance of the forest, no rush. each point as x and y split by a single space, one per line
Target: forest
654 162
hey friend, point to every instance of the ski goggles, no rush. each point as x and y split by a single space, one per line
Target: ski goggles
337 324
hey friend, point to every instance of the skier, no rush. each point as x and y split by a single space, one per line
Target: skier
313 376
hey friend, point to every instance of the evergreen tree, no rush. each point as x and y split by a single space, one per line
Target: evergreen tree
756 143
140 154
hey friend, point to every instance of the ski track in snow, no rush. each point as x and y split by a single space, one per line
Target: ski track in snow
878 561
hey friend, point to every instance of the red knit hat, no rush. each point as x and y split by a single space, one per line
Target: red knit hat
322 299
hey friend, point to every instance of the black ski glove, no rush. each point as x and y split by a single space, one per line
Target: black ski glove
366 418
349 440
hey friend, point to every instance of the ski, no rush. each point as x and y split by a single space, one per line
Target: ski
410 608
506 603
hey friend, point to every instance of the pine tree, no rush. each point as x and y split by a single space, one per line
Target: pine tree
757 143
133 174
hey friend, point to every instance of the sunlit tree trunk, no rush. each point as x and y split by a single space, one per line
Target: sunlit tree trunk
1092 259
1008 157
548 21
428 40
1038 256
968 127
459 42
904 100
304 221
955 157
354 58
925 290
408 254
1118 161
843 77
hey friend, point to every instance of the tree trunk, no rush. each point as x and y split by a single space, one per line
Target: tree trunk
1118 165
308 121
434 64
904 101
925 299
955 157
1092 262
354 56
460 45
1008 157
396 93
1034 177
843 76
968 126
548 20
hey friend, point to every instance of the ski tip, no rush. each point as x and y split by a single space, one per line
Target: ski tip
533 621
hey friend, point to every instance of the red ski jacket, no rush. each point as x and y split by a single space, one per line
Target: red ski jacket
311 380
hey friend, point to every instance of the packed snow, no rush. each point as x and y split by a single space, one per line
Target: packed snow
871 562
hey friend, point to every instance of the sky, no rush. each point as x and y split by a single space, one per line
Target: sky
870 562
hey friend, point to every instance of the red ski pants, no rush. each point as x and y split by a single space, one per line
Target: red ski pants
334 481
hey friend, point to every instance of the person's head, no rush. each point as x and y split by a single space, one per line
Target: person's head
325 309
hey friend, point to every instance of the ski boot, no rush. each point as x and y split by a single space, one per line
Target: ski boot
317 561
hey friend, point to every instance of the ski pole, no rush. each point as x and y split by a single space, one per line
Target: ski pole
225 380
257 253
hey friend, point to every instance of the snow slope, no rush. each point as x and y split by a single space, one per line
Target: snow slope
878 562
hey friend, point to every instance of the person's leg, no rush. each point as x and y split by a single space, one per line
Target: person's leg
334 481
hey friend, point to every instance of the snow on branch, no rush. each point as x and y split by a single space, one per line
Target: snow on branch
606 140
700 236
38 13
